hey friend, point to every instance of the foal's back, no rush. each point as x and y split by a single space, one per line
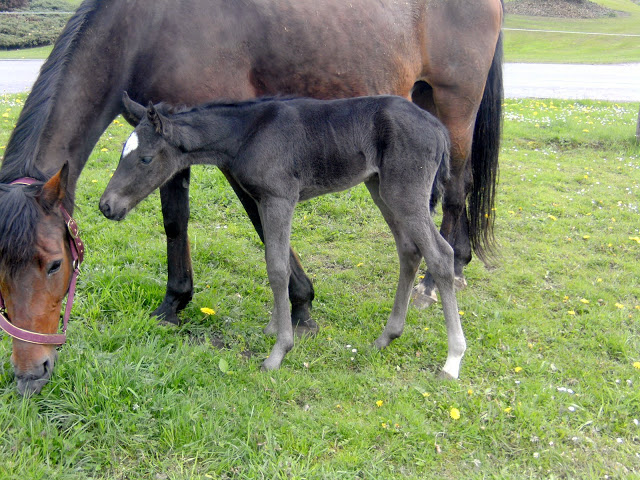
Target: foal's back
314 147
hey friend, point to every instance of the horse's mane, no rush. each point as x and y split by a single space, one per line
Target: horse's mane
19 159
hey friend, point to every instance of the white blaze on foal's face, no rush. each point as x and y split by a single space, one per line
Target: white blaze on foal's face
131 145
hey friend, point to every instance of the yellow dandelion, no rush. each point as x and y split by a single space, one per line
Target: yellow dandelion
104 149
636 365
586 237
552 217
360 264
454 413
379 403
207 311
635 239
585 301
619 305
461 313
469 392
571 312
426 394
507 410
517 369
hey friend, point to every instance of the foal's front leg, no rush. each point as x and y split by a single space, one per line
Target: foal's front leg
174 196
276 215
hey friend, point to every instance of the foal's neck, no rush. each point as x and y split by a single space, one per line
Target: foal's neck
215 134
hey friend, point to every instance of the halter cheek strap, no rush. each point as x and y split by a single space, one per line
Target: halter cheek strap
77 255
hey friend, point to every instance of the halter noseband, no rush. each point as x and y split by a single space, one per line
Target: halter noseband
77 255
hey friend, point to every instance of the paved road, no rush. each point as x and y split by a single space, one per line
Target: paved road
521 80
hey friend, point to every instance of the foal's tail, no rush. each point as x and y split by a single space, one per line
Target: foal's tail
443 172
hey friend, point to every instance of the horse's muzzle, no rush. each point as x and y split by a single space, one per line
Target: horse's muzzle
32 382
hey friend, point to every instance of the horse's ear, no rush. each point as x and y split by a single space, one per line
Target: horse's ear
54 190
133 112
161 123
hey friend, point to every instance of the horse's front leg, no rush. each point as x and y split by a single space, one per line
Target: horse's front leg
300 287
174 196
276 215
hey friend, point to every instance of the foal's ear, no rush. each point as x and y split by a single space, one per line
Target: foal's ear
54 190
133 111
161 123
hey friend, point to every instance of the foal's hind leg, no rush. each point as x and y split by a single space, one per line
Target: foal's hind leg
413 218
174 196
438 255
409 257
276 215
301 292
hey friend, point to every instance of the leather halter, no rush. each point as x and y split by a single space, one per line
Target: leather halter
77 255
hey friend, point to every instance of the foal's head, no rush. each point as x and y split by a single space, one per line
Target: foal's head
150 157
35 271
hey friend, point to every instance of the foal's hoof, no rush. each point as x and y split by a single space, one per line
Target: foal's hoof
445 376
422 298
460 283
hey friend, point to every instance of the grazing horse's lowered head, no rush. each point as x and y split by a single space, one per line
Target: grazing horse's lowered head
36 269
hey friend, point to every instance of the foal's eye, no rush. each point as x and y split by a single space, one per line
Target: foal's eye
146 160
54 267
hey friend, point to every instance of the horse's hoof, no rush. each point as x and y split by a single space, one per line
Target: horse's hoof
302 322
460 283
421 298
165 317
310 328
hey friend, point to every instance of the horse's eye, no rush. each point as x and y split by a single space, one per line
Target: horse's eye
146 160
54 267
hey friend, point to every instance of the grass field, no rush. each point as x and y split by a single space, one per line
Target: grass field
549 47
549 384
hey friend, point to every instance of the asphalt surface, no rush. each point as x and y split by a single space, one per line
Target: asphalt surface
619 83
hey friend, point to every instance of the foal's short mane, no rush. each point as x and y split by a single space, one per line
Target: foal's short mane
176 110
20 155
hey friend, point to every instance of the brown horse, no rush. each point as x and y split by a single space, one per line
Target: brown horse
445 55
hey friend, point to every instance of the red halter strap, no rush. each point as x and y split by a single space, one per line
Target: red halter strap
77 255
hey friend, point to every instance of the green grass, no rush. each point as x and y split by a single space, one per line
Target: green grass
548 386
547 47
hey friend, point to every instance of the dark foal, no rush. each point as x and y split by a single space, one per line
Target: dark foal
284 151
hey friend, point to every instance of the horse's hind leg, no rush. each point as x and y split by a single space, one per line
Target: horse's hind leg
174 196
300 287
409 257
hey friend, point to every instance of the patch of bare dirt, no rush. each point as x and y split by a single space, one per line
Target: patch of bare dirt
558 8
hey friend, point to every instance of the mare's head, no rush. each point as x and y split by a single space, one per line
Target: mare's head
150 157
35 271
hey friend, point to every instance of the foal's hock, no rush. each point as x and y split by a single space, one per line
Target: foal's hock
283 151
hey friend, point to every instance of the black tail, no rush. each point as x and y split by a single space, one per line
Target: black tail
484 161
